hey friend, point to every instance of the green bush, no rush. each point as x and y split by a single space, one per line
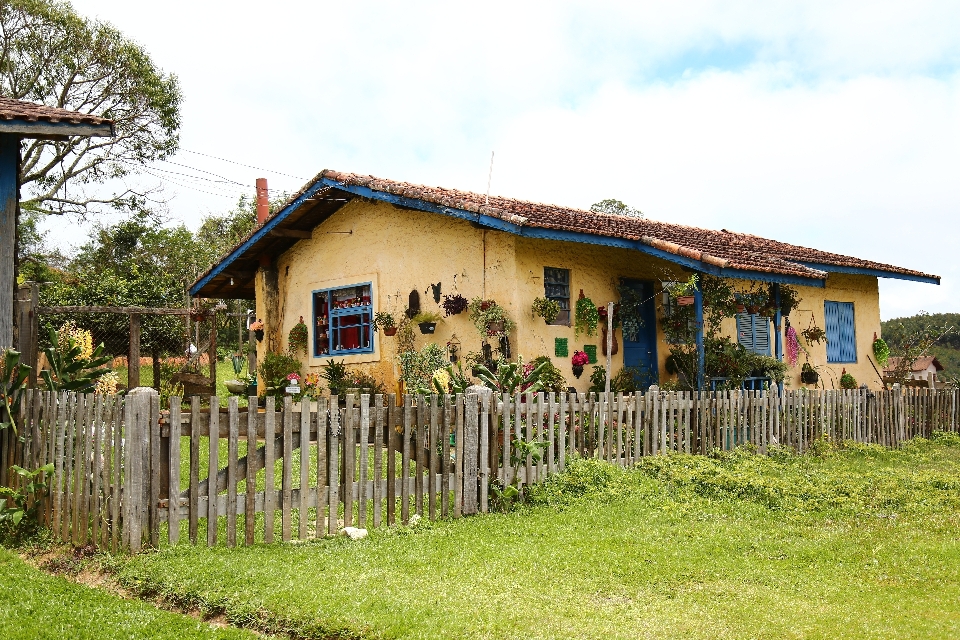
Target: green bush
274 370
551 378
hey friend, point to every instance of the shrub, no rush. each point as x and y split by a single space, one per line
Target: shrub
274 370
551 378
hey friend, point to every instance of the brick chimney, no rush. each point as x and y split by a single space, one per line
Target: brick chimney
263 201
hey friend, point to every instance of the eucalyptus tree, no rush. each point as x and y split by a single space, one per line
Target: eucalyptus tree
51 55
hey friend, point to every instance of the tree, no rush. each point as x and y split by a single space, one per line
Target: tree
915 337
49 54
616 207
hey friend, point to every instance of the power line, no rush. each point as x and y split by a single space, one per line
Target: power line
166 180
249 166
186 166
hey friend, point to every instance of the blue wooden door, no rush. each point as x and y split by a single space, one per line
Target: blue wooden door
641 354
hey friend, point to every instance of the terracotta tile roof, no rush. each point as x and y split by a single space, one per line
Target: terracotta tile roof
719 248
920 364
723 249
11 109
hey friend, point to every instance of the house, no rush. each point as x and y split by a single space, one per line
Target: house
921 369
348 245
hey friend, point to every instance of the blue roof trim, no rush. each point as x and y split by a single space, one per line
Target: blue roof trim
264 230
508 227
831 268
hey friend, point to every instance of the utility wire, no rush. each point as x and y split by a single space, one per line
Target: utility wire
206 155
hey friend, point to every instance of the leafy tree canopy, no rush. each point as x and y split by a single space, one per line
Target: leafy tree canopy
51 55
616 207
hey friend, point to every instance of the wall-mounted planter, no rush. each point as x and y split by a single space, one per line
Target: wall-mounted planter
389 331
494 328
427 328
809 377
577 370
685 301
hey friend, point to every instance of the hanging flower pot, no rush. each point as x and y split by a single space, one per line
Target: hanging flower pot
686 301
577 370
389 331
258 333
427 327
741 308
495 328
754 308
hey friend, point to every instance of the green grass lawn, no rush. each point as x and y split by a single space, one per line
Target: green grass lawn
35 605
855 543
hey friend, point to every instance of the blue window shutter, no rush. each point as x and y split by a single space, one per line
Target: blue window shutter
841 331
761 335
745 331
753 333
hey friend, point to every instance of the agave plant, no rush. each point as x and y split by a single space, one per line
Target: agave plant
510 377
70 369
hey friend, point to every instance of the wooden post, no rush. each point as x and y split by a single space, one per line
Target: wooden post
606 386
133 355
471 444
698 322
28 301
9 202
212 353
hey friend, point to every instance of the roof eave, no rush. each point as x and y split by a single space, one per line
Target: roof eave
879 273
40 128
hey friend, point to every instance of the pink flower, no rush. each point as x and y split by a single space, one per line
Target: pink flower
580 358
293 377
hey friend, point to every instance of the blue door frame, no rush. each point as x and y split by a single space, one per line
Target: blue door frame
642 352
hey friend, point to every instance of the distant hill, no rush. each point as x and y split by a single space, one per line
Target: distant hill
947 348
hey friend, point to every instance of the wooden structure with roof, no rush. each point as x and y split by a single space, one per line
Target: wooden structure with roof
20 120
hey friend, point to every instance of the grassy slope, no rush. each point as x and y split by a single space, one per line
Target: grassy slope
36 605
859 544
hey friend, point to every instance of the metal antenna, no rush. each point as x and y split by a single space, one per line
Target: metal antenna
489 178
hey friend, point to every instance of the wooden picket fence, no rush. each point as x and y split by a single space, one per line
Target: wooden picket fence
126 474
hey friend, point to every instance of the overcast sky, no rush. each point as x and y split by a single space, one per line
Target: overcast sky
827 124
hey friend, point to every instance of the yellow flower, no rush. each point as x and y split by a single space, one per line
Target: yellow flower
441 377
108 383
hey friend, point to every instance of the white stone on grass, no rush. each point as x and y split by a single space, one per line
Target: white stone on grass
355 533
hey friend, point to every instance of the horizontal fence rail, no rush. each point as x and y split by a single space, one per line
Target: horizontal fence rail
126 474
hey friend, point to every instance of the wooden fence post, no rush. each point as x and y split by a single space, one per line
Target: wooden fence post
138 485
471 449
28 299
133 355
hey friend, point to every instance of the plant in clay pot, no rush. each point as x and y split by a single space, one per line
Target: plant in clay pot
385 322
489 318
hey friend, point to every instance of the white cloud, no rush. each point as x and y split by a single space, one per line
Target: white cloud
827 124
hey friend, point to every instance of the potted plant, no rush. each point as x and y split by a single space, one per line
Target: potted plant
546 308
428 321
587 316
813 333
809 375
297 338
847 381
789 299
257 327
579 360
881 351
384 321
490 319
454 304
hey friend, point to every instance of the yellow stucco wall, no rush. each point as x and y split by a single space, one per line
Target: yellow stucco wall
398 250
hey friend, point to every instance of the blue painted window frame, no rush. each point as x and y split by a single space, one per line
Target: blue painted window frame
840 323
755 320
365 325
